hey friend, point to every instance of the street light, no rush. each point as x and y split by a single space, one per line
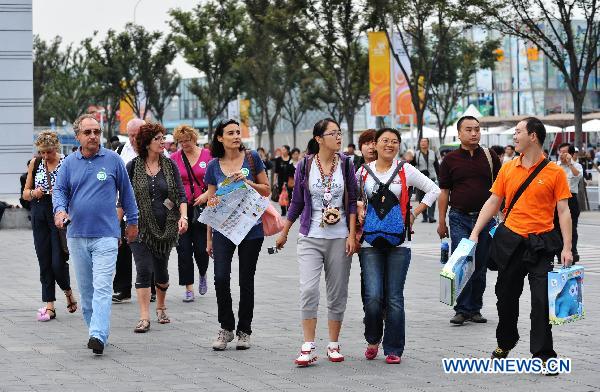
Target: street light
135 9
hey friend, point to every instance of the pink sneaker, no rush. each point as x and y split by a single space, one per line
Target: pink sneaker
393 359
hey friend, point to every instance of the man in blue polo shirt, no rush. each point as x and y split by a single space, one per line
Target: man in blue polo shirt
85 193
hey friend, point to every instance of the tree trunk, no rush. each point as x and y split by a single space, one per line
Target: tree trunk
271 139
294 135
350 121
210 126
578 114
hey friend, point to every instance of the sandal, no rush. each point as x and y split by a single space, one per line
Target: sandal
161 316
71 305
44 314
142 326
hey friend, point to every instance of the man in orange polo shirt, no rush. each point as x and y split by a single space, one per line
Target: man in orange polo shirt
527 243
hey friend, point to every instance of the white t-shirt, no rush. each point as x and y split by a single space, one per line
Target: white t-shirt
414 178
317 189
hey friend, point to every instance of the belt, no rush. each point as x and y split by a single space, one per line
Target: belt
476 213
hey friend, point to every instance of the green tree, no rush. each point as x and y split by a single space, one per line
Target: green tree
210 38
328 36
131 64
424 29
166 89
551 26
71 89
453 78
266 78
300 98
47 57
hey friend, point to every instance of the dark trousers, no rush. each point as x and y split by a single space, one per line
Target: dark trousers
470 300
429 213
509 287
575 211
53 268
123 274
248 251
123 270
192 245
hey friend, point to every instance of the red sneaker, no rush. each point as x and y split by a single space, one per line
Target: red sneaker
393 359
371 353
334 354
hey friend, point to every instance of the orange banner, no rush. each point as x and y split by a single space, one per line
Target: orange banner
125 114
379 73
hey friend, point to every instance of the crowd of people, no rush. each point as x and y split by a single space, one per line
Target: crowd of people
145 197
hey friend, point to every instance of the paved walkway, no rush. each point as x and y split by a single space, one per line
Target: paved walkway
52 356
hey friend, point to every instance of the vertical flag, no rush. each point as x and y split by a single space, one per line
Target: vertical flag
379 73
404 104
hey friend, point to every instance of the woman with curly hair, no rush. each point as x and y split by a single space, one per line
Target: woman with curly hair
163 217
41 177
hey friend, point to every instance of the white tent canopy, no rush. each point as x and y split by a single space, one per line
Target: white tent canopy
471 111
549 129
590 126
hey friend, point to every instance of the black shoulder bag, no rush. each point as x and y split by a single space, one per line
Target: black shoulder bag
505 241
195 211
62 232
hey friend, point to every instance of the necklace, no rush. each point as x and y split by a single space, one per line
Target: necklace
330 215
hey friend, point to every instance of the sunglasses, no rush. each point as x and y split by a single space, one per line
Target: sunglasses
159 138
88 132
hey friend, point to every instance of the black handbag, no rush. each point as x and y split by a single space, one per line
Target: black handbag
275 191
194 212
505 241
62 232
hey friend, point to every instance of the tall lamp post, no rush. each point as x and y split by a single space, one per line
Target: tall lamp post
135 9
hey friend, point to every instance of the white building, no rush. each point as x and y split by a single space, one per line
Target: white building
16 94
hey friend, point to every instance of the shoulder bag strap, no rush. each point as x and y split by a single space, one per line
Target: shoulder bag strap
489 159
190 173
48 176
524 186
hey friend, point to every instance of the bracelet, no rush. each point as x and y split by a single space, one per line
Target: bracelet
185 217
31 193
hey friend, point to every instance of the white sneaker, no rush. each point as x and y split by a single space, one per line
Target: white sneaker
334 355
307 356
223 338
243 342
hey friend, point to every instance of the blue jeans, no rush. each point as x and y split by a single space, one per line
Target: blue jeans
384 273
470 300
94 260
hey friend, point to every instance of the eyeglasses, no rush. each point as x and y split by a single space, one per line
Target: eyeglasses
393 142
159 138
88 132
337 134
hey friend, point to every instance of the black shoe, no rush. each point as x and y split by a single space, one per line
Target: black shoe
121 297
478 318
499 353
96 345
547 372
152 297
424 220
458 319
432 220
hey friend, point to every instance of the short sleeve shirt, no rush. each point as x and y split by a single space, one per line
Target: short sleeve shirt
198 171
215 176
534 211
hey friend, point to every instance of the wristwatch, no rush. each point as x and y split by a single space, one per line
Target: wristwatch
31 193
185 217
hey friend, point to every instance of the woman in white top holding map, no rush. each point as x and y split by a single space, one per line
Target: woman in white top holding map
233 163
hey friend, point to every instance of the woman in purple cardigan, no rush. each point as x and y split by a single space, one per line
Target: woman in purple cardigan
325 200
